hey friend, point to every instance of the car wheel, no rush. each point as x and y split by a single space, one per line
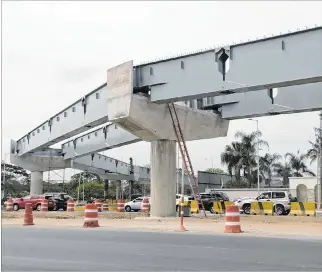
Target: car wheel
246 209
287 212
279 209
16 207
128 209
38 208
212 210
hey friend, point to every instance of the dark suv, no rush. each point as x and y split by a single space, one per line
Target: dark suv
60 200
208 199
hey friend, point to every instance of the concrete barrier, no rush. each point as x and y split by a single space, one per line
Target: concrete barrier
303 208
219 207
194 206
261 208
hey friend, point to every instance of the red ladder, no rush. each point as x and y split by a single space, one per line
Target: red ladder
185 156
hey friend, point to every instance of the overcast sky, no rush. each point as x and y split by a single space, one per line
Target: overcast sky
56 52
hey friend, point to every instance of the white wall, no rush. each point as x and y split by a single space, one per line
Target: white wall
309 182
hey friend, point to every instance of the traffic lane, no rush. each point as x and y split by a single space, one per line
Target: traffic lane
41 249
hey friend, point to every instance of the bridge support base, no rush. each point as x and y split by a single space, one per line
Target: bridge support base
163 178
36 183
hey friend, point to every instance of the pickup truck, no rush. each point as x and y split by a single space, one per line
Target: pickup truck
35 200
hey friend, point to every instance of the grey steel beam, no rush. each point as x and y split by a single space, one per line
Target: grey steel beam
86 113
275 62
105 166
109 168
108 137
294 99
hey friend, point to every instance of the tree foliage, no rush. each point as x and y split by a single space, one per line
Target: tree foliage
215 170
15 181
240 157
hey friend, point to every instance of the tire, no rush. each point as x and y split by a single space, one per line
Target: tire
212 210
246 209
38 207
279 209
287 212
16 207
128 209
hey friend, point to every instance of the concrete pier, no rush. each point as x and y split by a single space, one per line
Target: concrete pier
118 189
36 183
106 181
163 178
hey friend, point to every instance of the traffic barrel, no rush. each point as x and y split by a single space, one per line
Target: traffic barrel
105 207
9 205
44 205
28 219
120 205
90 216
70 205
232 219
98 204
145 206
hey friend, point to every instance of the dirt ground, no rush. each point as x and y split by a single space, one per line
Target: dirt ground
285 226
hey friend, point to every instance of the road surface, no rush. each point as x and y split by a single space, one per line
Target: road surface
34 248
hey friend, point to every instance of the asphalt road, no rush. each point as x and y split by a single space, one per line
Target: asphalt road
74 249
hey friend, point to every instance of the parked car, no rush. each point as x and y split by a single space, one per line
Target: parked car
238 200
178 199
35 200
281 202
135 204
208 199
134 196
60 200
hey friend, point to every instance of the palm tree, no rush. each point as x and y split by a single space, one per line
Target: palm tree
240 156
230 157
283 170
298 164
267 166
313 152
247 161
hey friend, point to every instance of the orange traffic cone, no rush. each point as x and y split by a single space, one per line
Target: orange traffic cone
28 217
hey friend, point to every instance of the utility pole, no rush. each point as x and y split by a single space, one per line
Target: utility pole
258 179
4 177
178 172
319 170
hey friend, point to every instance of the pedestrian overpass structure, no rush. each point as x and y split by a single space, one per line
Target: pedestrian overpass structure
274 75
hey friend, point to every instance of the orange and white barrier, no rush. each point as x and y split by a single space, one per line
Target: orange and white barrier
120 205
90 216
9 205
145 206
232 224
98 204
105 207
70 205
28 219
44 205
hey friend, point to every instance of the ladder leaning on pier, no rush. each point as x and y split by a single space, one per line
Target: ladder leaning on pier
185 156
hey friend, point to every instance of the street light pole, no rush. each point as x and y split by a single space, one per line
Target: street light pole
319 173
258 181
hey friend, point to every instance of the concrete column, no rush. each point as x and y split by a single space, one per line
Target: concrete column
36 183
130 188
105 188
163 178
118 189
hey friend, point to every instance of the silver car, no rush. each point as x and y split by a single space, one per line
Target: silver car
135 204
281 202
